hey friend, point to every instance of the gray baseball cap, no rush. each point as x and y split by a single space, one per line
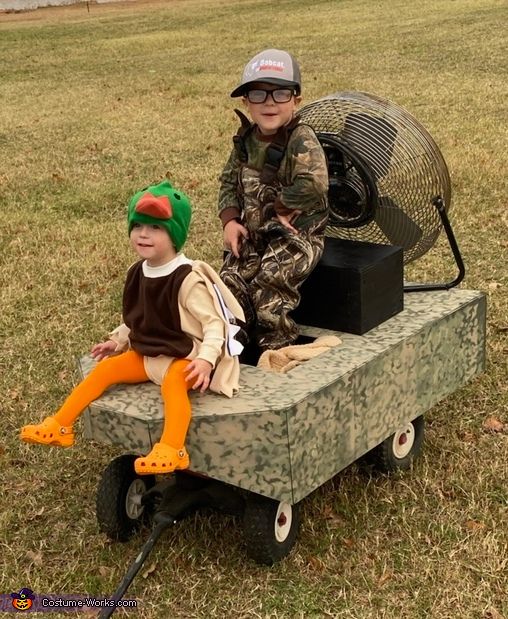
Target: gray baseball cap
272 66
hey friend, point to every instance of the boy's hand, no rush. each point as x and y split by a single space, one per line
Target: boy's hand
234 233
201 370
287 220
103 350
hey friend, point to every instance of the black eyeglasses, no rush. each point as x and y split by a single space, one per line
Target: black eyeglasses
279 95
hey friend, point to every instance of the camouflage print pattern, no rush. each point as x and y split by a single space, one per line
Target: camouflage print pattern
286 434
266 284
274 262
301 182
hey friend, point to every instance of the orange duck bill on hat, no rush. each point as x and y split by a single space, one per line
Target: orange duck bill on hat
158 207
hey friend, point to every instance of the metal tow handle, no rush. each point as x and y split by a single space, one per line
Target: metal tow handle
163 521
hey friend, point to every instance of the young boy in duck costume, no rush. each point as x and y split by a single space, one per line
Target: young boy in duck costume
177 332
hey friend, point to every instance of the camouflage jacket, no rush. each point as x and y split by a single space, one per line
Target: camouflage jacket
301 183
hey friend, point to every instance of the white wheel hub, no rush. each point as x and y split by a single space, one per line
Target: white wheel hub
403 441
283 520
133 506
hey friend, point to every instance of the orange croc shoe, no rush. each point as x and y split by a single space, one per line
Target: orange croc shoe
48 432
162 459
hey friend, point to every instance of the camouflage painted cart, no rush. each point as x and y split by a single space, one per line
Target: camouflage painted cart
284 435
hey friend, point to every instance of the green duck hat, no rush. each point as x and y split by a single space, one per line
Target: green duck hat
164 206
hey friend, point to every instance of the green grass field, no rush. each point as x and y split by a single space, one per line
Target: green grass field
95 104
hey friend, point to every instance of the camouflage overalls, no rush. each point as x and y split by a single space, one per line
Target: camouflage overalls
274 262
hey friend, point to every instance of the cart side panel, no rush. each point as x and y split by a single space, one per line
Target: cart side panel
249 451
126 415
242 441
415 375
321 435
404 367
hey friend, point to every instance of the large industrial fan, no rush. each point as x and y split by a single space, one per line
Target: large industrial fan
389 183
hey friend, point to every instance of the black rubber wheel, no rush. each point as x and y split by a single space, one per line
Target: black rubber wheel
118 505
399 450
270 529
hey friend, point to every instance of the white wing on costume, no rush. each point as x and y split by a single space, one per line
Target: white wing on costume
234 347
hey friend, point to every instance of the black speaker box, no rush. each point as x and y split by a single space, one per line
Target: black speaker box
354 287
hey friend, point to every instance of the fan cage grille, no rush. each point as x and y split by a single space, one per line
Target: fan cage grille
408 167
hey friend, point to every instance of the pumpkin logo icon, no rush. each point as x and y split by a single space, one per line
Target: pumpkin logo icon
23 600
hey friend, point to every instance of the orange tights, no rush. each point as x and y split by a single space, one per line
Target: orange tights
128 367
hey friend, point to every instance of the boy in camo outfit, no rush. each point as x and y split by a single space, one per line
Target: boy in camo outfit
272 200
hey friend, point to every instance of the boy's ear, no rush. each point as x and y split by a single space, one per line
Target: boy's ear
245 102
298 99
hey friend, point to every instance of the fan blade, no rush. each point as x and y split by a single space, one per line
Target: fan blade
373 137
398 228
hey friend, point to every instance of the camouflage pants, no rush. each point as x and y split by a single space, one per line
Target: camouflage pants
266 284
